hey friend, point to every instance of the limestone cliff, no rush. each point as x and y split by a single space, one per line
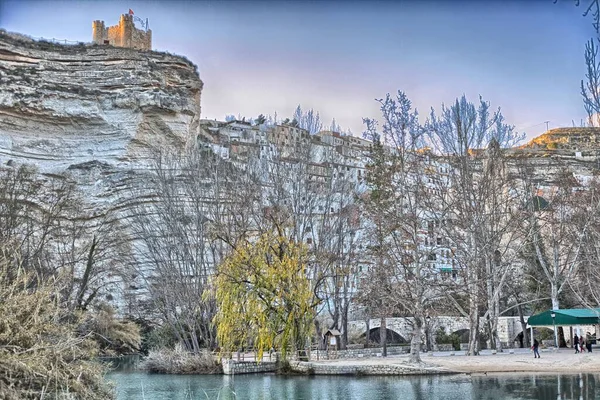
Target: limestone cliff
67 106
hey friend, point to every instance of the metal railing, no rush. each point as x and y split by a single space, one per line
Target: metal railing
57 41
43 39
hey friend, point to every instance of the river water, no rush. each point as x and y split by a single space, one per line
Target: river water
142 386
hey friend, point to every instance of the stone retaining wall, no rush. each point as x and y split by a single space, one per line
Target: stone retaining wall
232 367
316 355
313 368
443 347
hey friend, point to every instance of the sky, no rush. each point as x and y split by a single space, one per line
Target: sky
262 57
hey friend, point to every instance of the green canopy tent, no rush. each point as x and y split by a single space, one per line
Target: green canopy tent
565 317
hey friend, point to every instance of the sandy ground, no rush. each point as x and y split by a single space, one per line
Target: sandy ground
522 361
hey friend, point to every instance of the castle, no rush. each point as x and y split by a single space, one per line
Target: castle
123 35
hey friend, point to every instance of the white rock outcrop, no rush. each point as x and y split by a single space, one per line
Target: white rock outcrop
77 107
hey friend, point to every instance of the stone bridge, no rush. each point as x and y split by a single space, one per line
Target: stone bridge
508 327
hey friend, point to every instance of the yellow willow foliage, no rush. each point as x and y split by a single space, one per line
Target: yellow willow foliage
264 297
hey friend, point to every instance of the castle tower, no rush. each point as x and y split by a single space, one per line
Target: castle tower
126 25
98 30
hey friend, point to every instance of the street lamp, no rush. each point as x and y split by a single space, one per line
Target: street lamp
553 315
427 341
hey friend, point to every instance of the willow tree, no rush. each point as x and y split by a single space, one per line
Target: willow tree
264 296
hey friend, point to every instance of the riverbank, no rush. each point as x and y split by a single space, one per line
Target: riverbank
563 361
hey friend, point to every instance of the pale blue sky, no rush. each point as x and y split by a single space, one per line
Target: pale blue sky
337 57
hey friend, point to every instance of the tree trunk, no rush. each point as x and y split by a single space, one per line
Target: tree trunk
415 343
473 331
473 312
554 295
561 337
496 336
383 337
344 327
319 332
555 306
524 327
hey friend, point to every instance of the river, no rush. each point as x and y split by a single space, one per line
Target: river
142 386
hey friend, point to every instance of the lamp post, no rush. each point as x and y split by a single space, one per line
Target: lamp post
553 315
427 341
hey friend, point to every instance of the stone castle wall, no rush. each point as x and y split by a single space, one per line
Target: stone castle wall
125 34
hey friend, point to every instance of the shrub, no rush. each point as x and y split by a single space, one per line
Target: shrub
114 336
41 355
180 361
442 337
160 337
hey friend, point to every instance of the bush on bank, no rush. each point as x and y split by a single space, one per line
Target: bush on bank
180 361
41 353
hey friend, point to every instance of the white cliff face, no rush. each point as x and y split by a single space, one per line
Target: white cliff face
68 107
90 113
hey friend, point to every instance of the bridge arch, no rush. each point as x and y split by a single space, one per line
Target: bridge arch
392 336
463 335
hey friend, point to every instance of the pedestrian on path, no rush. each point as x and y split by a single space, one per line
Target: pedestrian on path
536 346
576 343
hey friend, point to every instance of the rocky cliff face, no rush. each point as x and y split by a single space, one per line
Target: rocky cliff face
67 107
90 113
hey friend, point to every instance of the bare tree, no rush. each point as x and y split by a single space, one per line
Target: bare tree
476 229
590 90
176 249
400 210
558 231
46 218
584 282
309 120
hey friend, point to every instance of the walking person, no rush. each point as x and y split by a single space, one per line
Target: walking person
588 342
576 343
536 346
582 344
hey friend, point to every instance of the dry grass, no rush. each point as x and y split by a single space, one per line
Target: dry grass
180 361
41 355
114 336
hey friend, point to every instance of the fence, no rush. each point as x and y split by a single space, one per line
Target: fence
313 354
43 39
57 41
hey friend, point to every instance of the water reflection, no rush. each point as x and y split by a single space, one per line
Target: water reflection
527 386
136 385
